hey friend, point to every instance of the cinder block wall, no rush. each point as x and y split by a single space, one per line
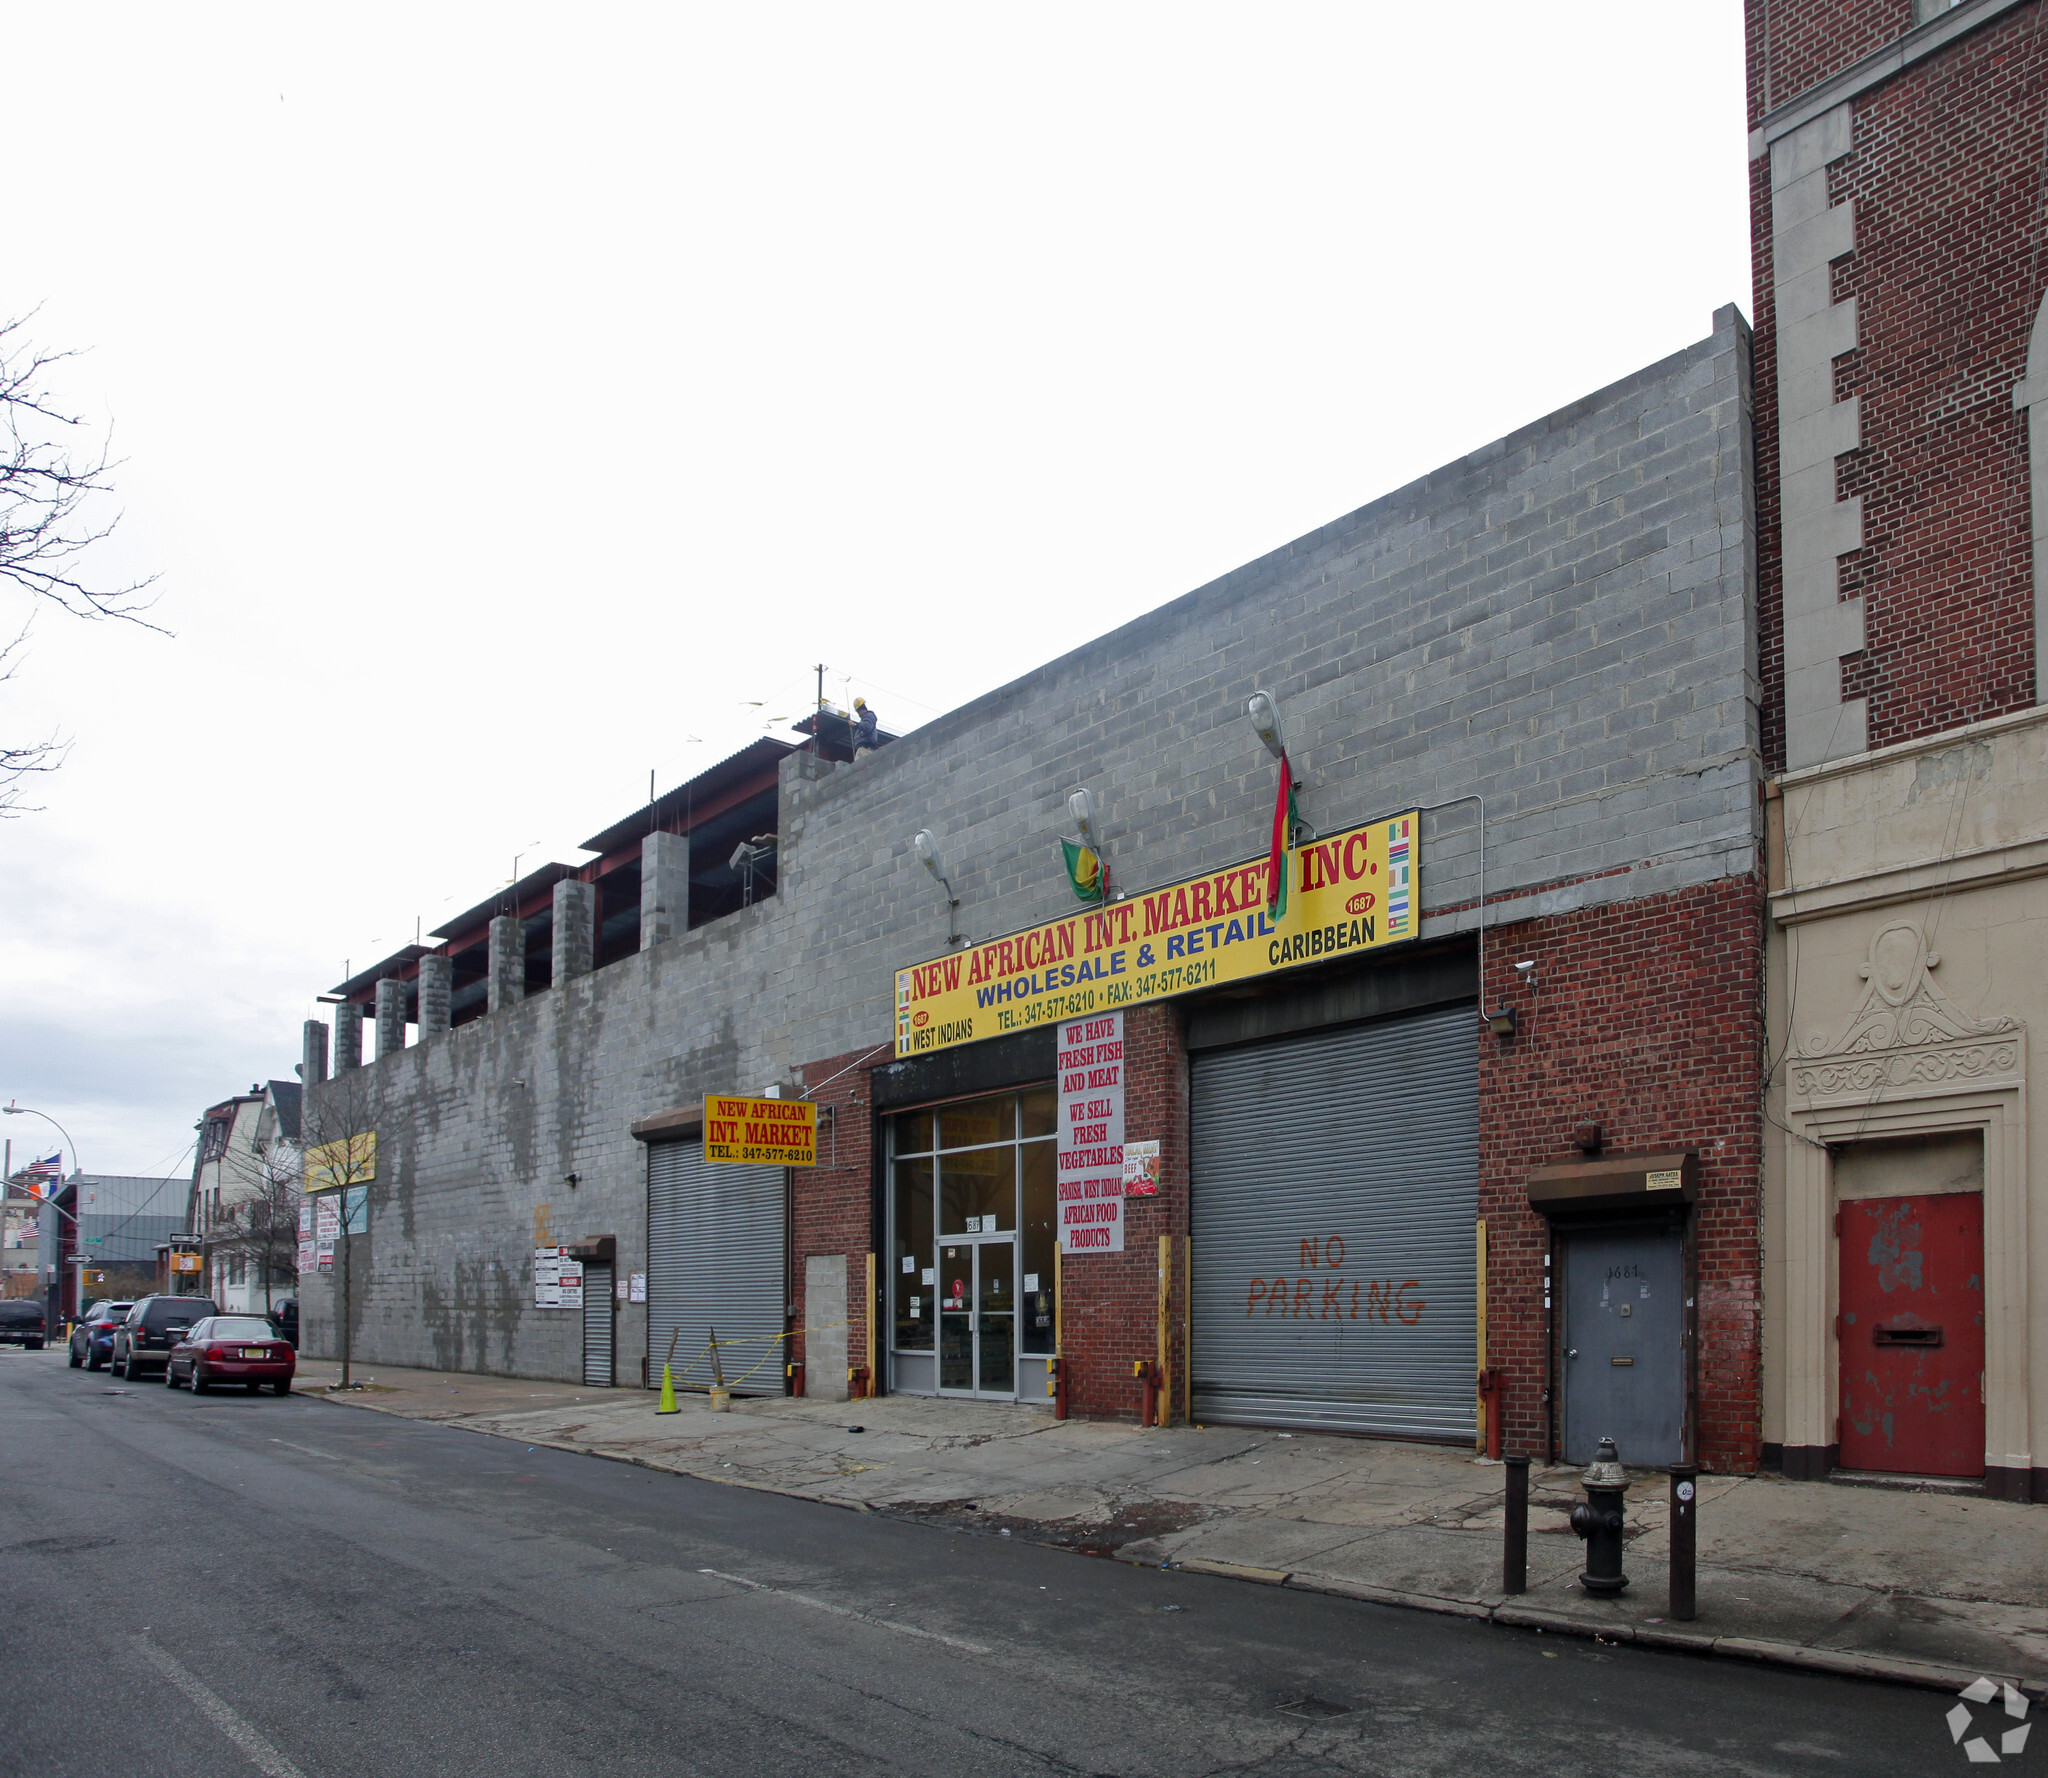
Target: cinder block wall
1559 622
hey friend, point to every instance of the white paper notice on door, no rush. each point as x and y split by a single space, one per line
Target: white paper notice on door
1090 1058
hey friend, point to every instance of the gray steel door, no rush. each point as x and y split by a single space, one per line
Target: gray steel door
1624 1337
1335 1192
597 1326
714 1260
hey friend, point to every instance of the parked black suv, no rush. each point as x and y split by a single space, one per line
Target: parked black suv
21 1323
143 1341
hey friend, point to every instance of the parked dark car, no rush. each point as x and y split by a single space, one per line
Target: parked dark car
284 1316
92 1340
150 1329
21 1323
241 1349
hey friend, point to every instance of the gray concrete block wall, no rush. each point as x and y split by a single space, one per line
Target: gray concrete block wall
505 981
1560 624
574 929
390 1017
436 985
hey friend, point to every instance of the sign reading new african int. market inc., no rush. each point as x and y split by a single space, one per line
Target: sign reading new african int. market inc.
1346 892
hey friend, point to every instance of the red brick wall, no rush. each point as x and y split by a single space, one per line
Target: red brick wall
1645 1018
1808 40
832 1206
1948 276
1110 1301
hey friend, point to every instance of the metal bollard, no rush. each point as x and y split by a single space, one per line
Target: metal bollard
1514 1550
1600 1520
1684 1541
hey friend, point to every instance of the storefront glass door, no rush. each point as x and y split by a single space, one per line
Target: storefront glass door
977 1283
970 1256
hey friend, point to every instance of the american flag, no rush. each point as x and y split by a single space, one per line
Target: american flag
44 1172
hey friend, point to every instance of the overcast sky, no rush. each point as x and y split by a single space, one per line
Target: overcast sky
516 400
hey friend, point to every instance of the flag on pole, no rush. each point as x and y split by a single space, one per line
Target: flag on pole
1084 871
1284 818
38 1175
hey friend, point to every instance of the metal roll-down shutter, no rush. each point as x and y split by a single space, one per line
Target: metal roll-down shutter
1335 1189
597 1325
714 1260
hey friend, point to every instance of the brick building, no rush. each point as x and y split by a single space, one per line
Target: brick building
1481 1105
1902 483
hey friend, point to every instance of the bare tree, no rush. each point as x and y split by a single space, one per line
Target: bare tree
338 1140
51 475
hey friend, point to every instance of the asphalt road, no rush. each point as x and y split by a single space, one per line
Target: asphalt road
231 1585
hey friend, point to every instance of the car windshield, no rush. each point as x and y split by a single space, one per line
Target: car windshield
238 1327
176 1311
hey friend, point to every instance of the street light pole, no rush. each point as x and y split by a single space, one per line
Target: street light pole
78 1259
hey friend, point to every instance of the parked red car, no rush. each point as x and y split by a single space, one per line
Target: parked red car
240 1349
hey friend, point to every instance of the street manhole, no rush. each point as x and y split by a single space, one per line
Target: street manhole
1314 1706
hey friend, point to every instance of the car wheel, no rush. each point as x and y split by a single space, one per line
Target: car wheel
199 1383
93 1362
170 1377
35 1345
117 1364
283 1386
77 1358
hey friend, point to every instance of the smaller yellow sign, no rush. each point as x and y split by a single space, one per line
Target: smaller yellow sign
760 1132
351 1161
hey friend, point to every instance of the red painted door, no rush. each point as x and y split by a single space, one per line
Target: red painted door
1912 1334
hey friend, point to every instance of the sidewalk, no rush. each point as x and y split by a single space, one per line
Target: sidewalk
1928 1588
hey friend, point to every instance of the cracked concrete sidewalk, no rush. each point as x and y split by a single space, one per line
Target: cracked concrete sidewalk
1926 1587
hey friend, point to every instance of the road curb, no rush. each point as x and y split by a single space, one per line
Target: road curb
1506 1615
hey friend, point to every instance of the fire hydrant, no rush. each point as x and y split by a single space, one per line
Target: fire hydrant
1599 1521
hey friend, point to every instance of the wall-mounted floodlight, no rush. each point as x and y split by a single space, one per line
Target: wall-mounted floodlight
927 850
1081 806
1265 720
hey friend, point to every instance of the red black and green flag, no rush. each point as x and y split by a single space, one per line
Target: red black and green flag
1284 817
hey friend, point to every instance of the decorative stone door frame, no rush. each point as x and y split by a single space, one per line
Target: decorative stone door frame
1908 1063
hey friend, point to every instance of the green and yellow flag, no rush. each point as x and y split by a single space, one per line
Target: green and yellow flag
1084 871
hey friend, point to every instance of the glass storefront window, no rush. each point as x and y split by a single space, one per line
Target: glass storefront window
1040 1224
978 1191
910 1252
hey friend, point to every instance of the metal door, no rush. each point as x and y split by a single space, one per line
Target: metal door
1334 1196
597 1326
1624 1338
1912 1334
715 1259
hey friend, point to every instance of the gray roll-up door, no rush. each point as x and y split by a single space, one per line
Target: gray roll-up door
714 1260
597 1326
1334 1196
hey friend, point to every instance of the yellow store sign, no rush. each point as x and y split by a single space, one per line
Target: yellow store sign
1350 891
760 1132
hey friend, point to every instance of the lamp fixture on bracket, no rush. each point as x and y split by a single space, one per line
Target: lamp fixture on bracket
926 846
1502 1021
1265 720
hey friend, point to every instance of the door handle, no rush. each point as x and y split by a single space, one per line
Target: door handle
1573 1353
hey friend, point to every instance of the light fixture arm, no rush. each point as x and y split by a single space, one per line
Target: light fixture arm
13 1110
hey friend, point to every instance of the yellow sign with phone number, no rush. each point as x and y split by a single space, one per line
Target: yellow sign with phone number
1350 891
